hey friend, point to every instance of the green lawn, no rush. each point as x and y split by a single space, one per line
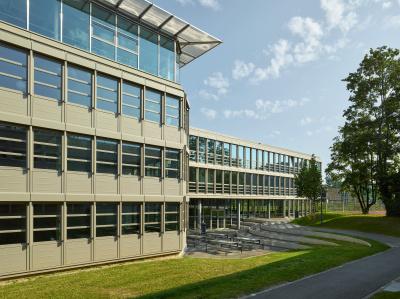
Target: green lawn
191 278
386 295
377 224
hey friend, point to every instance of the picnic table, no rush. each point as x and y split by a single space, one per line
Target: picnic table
249 240
222 242
218 235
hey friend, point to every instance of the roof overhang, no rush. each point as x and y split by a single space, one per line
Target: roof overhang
193 42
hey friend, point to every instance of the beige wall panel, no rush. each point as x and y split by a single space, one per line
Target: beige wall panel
131 77
13 102
79 197
80 130
79 115
108 134
131 184
78 251
176 92
174 198
106 248
130 245
132 198
132 138
46 181
14 39
152 186
13 180
152 129
107 198
152 141
131 125
79 182
151 243
46 255
13 196
107 120
178 146
48 124
172 187
12 258
172 134
47 109
171 241
82 62
154 198
111 71
154 85
47 197
106 183
48 50
14 118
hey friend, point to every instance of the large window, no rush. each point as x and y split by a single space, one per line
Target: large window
260 160
107 156
241 157
44 18
76 18
46 222
13 68
210 181
172 164
227 154
106 219
47 150
131 99
152 218
226 181
12 146
103 28
78 221
234 155
153 161
172 217
192 179
153 106
107 94
167 59
148 51
13 12
210 151
202 150
202 180
12 223
79 153
218 152
172 111
127 42
131 159
193 148
253 158
48 74
248 158
79 86
130 218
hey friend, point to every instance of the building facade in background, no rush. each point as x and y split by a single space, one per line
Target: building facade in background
94 139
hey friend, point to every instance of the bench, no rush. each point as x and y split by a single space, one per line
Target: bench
242 246
217 249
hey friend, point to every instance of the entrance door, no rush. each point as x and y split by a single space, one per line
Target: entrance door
217 219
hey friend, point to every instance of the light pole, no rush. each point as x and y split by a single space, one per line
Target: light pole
321 204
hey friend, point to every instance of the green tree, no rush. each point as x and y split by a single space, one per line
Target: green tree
375 102
354 162
308 182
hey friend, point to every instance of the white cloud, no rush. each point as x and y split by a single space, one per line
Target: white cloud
386 5
209 113
264 109
309 133
242 69
306 121
208 95
282 58
274 134
213 4
318 131
217 81
392 22
340 14
186 2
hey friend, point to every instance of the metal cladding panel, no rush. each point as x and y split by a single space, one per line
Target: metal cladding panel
13 102
171 241
152 243
130 245
46 181
13 180
46 255
12 258
106 248
156 16
78 251
78 115
174 25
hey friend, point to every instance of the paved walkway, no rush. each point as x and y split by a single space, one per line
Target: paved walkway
357 279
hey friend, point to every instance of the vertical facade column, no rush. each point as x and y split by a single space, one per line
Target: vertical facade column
238 213
289 207
199 213
268 208
284 208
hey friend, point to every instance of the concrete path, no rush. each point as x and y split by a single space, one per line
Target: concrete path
355 280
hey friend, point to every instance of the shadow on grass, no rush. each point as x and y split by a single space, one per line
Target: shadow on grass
261 277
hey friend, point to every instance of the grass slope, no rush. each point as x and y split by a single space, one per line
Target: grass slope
376 224
191 278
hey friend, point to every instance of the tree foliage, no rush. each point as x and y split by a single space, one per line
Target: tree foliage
308 182
365 154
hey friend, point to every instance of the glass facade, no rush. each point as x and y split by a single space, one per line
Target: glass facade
91 28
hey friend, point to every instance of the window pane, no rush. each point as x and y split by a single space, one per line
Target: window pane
13 69
103 49
48 235
127 42
127 27
80 233
131 208
103 16
78 208
167 59
103 32
106 145
13 12
148 51
76 22
44 18
12 238
131 229
106 231
106 208
127 58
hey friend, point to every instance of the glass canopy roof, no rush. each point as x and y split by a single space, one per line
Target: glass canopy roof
193 41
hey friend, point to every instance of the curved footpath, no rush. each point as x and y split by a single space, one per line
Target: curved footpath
357 279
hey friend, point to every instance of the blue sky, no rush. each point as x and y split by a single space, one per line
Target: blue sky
276 79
